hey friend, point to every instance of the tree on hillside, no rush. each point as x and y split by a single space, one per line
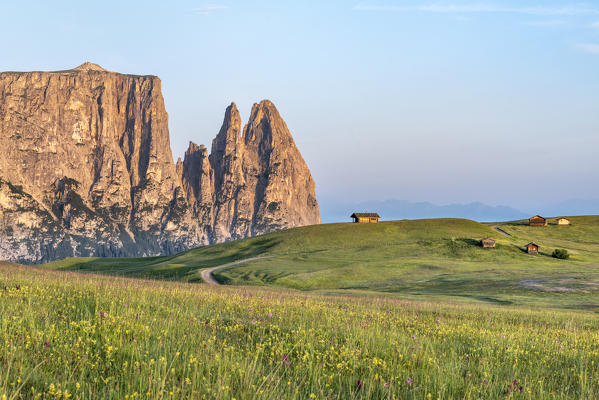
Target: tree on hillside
562 254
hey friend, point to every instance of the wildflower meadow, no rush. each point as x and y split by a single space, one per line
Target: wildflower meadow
65 335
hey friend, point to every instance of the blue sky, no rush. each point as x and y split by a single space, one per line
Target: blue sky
443 101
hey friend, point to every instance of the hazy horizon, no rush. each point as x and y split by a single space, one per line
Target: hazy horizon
446 102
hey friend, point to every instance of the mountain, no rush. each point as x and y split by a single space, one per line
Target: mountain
252 183
572 207
86 169
401 209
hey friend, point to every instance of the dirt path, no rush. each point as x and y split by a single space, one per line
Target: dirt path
207 273
498 229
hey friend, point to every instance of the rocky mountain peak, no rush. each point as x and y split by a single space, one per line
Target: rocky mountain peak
264 106
265 126
194 148
86 169
263 110
88 66
230 132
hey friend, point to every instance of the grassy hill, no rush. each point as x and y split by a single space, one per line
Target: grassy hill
436 258
401 325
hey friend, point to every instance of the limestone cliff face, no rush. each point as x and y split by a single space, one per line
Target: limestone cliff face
86 169
251 183
284 194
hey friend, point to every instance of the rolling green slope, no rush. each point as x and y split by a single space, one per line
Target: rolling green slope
429 258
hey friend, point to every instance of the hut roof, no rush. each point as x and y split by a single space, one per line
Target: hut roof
532 244
537 217
365 215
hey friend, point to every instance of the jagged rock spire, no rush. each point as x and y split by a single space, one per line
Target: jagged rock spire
261 181
87 169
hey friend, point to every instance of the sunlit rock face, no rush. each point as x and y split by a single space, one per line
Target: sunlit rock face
86 169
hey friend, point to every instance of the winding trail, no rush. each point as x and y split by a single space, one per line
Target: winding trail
207 273
498 229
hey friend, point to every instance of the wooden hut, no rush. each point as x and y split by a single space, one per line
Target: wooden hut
532 248
537 220
487 243
563 221
368 218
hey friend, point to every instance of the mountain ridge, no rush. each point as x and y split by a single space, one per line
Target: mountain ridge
87 170
394 209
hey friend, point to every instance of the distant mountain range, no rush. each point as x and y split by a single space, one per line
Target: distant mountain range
402 209
572 207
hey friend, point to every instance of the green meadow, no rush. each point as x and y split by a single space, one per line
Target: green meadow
436 259
66 335
395 310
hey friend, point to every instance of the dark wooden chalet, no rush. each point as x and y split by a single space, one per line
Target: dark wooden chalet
532 248
371 218
537 220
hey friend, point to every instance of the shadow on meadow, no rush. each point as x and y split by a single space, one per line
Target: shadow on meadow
183 266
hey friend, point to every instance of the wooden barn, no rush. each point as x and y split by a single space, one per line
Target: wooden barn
368 218
537 220
487 243
563 221
532 248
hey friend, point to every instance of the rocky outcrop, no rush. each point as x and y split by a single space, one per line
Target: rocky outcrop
284 194
86 169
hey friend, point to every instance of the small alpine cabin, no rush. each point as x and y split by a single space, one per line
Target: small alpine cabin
537 220
532 248
563 221
487 243
365 218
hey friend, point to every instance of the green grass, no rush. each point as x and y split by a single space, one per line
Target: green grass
82 336
427 259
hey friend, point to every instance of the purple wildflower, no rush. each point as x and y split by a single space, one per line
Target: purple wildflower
286 360
46 344
409 380
514 386
359 385
18 287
